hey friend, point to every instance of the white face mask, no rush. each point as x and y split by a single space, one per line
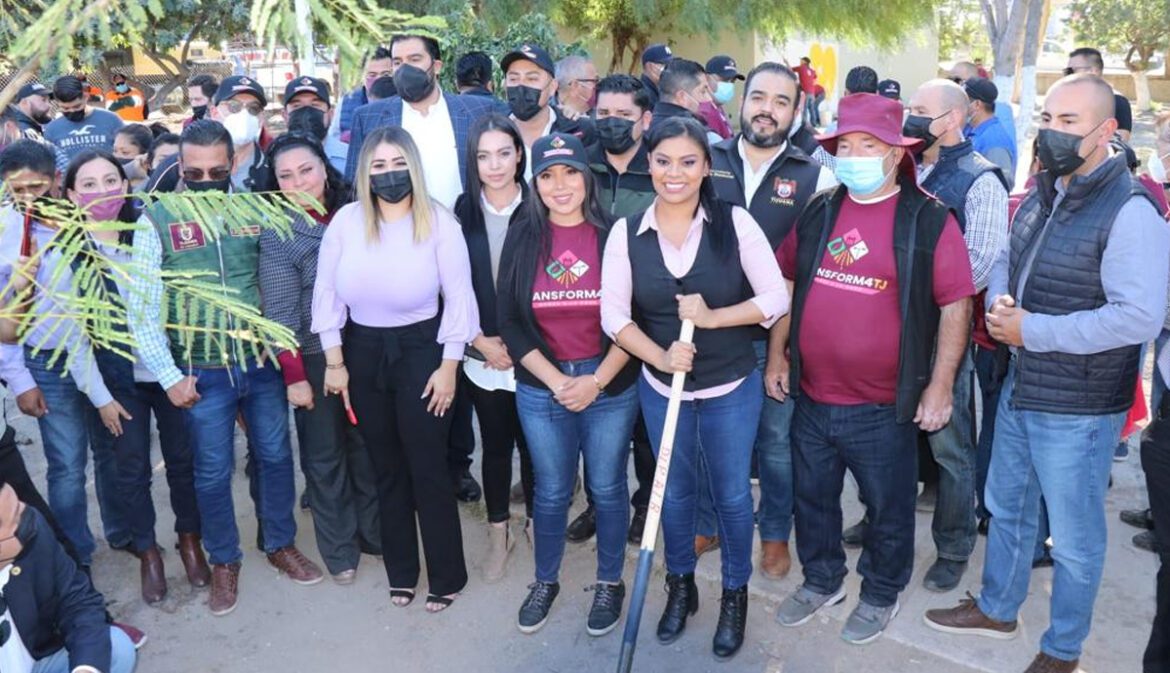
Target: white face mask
1157 167
244 127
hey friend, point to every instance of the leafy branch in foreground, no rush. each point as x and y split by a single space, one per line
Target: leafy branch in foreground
79 292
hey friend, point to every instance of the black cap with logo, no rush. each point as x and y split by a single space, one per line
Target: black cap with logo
723 66
313 85
529 52
558 149
237 84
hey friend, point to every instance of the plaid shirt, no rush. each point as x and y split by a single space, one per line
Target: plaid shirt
145 306
986 210
288 270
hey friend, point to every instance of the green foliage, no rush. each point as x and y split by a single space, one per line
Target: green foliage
90 310
961 31
1136 28
466 32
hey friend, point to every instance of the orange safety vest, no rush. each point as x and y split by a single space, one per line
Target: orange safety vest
130 106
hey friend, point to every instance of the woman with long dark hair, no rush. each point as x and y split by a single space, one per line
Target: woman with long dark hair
339 480
385 263
97 182
573 390
692 256
494 198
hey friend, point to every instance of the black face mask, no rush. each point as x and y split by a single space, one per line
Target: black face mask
199 112
1060 152
413 84
209 185
918 126
308 121
75 116
392 186
615 134
524 102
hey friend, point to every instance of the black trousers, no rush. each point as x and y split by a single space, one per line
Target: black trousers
388 370
499 427
1156 463
644 464
339 477
461 440
14 472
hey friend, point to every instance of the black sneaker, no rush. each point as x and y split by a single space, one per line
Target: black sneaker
637 524
583 527
854 536
466 487
607 607
534 611
1138 518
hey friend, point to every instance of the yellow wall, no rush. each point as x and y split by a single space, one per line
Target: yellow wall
145 66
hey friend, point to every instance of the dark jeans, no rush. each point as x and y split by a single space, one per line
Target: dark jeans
69 432
388 370
339 478
499 427
882 456
989 385
132 450
558 439
953 448
774 448
461 440
259 392
719 433
1156 463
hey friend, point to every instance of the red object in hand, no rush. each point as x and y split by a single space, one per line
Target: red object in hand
352 416
26 241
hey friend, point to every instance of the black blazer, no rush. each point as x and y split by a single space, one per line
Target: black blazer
52 602
479 252
517 320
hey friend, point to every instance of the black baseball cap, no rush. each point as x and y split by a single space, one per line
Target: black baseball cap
657 53
890 88
529 52
236 84
32 89
723 66
981 89
558 149
318 87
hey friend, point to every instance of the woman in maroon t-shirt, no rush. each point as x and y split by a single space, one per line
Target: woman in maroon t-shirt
573 390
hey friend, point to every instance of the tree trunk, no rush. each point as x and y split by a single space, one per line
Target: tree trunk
1033 38
1141 83
176 72
1005 28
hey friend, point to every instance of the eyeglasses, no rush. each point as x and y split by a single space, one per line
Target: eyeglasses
234 106
590 82
197 174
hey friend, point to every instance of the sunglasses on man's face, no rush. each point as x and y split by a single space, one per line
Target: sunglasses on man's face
234 106
198 174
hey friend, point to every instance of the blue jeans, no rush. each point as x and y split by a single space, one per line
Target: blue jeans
122 656
882 455
259 392
72 427
1159 387
1066 459
953 447
556 439
719 432
774 447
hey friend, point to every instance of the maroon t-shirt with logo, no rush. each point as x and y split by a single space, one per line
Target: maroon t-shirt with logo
851 326
566 295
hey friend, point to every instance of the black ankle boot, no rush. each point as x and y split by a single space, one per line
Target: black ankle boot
682 600
732 621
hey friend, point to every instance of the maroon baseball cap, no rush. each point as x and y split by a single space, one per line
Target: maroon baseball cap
873 114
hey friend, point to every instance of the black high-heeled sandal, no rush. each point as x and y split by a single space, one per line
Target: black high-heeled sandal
443 602
408 594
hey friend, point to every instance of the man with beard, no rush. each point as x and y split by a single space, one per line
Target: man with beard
31 110
760 170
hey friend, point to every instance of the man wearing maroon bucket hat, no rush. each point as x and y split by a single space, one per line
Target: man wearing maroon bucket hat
879 275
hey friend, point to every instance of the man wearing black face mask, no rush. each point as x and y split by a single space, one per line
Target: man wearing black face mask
308 98
976 191
438 121
618 159
200 90
1072 298
531 82
80 127
761 170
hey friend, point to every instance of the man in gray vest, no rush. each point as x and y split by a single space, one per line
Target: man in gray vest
1080 287
975 190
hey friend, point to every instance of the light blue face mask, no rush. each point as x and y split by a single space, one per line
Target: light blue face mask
863 176
724 91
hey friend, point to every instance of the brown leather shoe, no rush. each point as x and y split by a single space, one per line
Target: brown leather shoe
290 561
154 577
191 552
1046 664
967 618
776 561
704 544
225 588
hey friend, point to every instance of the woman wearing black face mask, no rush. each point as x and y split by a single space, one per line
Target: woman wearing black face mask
401 250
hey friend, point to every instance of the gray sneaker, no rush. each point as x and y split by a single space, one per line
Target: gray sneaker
867 622
802 604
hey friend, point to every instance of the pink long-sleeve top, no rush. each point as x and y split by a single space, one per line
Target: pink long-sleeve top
755 257
395 281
